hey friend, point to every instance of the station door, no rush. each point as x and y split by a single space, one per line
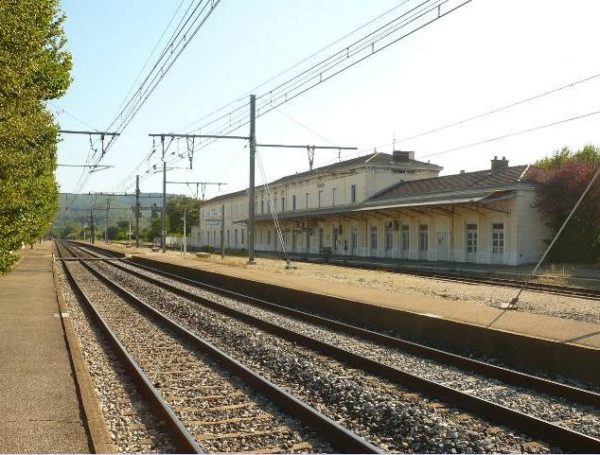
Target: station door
471 243
442 246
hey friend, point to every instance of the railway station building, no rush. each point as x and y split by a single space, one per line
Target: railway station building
387 206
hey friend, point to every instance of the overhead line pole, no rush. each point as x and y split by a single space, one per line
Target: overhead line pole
164 198
137 211
198 185
251 189
252 146
93 231
162 140
106 230
102 135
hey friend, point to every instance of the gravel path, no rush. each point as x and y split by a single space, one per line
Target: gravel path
386 414
220 412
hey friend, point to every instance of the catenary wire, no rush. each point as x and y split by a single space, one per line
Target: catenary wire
288 69
239 116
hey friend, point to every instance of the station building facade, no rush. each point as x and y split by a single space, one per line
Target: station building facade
387 206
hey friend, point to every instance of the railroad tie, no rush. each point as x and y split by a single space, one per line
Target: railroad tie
242 434
207 423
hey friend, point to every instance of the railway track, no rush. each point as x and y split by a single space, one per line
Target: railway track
194 387
527 403
567 291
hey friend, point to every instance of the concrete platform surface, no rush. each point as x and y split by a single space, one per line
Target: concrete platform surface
545 327
39 405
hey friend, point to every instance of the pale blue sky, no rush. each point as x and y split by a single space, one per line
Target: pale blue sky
487 54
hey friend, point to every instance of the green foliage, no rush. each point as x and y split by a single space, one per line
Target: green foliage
113 232
34 68
175 208
561 179
70 231
590 155
153 231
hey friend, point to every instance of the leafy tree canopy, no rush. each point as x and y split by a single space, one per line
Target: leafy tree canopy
34 68
561 179
176 205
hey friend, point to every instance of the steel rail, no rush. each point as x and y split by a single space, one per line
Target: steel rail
591 294
568 291
504 374
534 426
183 440
339 437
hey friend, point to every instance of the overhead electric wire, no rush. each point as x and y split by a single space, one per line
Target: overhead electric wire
324 65
239 116
298 122
184 34
73 116
498 109
126 97
514 133
357 50
137 100
288 69
169 45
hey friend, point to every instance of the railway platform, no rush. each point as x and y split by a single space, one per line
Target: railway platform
536 325
518 337
39 405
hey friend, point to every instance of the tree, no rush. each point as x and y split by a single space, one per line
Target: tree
560 181
175 208
34 68
113 232
70 230
153 231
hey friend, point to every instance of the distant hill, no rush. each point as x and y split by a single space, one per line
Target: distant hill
76 207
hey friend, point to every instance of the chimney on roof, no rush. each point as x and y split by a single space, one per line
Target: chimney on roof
400 155
499 164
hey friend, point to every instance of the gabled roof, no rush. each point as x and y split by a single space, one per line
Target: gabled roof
456 182
228 195
372 159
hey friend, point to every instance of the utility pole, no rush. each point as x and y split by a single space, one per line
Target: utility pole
107 211
163 237
92 226
251 189
252 145
223 231
137 211
184 232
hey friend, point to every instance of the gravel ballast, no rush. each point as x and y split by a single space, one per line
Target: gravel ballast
132 426
219 411
389 416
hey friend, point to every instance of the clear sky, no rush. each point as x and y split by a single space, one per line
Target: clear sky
485 55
